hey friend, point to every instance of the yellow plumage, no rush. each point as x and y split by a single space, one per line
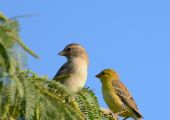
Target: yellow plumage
117 96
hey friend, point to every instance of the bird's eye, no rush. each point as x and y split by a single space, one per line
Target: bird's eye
68 49
103 73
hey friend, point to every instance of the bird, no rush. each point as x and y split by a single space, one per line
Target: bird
73 73
117 96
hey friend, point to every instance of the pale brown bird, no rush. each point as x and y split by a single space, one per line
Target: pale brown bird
73 73
117 96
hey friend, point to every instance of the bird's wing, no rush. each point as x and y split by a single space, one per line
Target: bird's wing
63 73
125 96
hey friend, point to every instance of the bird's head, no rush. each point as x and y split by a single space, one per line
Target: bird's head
73 50
107 74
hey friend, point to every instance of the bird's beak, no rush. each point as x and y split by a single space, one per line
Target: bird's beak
98 75
62 53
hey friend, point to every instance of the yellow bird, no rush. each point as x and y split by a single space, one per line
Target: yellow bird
117 96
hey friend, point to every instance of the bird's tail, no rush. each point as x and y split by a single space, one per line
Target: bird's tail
135 118
137 115
138 118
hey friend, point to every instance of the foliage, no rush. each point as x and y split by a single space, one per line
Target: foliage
26 96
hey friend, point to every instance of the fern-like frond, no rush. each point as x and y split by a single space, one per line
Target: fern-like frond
40 93
24 95
4 59
9 32
88 104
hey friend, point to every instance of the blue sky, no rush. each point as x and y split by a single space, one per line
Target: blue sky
132 37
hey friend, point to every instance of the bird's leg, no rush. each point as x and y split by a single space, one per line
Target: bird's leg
105 111
72 100
122 111
118 113
108 112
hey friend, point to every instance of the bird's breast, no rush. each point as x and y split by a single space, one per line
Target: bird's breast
112 100
78 78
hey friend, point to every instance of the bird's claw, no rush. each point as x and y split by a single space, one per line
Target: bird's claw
109 113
